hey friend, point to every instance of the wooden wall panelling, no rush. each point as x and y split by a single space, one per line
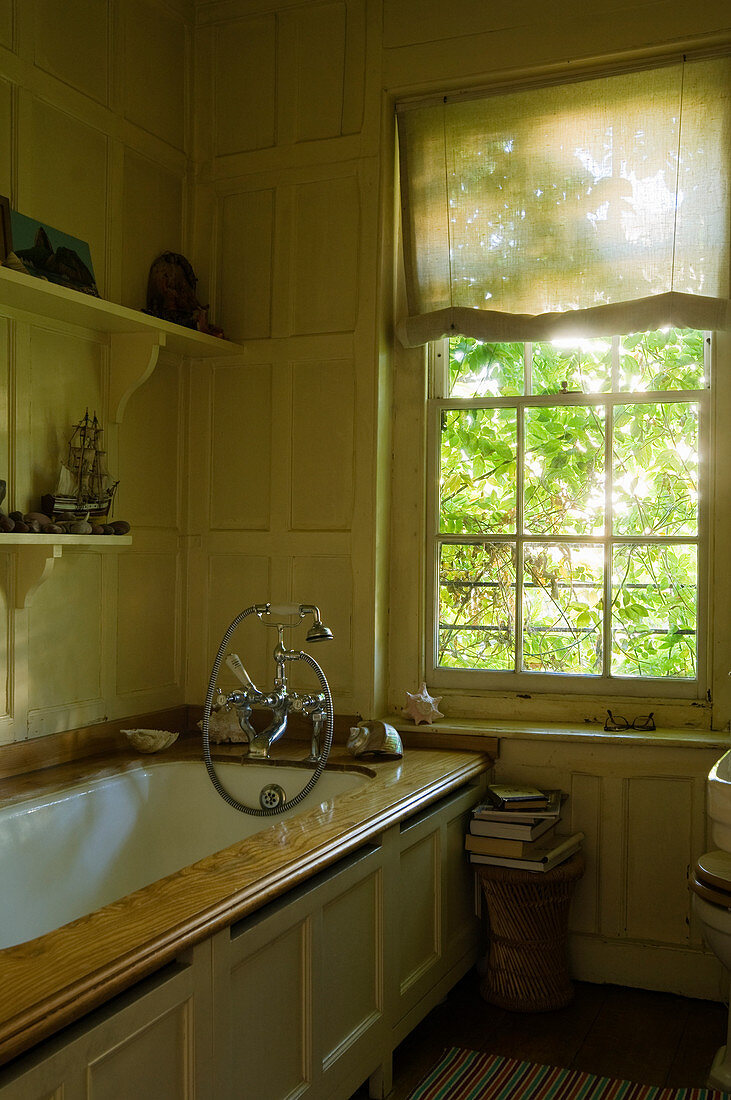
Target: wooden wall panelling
149 671
585 806
156 85
315 43
658 855
349 1007
6 25
241 448
246 228
66 197
327 581
324 254
71 43
235 581
6 158
245 84
322 445
152 221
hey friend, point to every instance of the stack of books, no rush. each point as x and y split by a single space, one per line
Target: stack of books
516 827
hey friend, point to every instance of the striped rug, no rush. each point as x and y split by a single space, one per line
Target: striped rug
470 1075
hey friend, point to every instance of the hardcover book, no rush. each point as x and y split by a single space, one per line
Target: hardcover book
502 846
486 811
542 859
514 830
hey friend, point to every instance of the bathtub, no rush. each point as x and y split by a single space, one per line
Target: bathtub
70 852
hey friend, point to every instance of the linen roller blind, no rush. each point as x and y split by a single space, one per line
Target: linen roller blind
590 208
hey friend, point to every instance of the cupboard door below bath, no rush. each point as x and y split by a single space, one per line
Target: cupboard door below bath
143 1044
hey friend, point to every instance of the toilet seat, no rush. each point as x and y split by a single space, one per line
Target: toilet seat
711 878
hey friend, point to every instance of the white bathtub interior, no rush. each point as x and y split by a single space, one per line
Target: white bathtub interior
66 854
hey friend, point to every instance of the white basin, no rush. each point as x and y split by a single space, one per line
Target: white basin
718 786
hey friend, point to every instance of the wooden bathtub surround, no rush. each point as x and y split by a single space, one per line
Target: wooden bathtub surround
53 980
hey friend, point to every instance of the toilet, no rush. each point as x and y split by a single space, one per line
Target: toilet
710 882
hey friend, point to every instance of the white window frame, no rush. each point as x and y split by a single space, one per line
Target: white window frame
461 680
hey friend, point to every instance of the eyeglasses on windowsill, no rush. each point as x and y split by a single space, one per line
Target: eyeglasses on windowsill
615 722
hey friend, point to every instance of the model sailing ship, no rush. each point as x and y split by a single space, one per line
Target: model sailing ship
85 489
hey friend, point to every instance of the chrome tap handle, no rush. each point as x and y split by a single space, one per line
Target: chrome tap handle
234 663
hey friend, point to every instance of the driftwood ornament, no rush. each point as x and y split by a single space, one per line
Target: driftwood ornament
422 707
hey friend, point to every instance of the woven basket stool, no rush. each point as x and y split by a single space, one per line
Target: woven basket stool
527 968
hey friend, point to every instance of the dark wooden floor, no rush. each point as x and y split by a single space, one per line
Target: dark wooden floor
651 1038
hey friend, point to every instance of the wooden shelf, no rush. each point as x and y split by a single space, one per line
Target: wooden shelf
31 295
36 556
135 338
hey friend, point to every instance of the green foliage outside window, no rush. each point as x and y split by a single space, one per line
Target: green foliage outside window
578 511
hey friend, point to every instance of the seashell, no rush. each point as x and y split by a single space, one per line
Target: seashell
150 740
97 528
7 524
33 525
81 527
120 527
108 529
55 529
37 517
422 707
375 738
16 516
21 527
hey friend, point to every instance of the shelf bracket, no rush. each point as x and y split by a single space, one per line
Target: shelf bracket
33 567
133 357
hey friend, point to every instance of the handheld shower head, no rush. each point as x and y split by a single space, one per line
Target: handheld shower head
318 632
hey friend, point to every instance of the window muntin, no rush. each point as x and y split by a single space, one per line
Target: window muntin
569 512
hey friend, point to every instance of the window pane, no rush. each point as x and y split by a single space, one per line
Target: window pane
484 370
654 602
562 609
564 471
585 366
477 492
671 360
477 606
655 487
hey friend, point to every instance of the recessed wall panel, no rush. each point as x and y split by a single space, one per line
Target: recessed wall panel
246 242
65 634
245 67
146 621
325 256
6 159
149 452
241 448
66 378
71 43
67 181
350 1003
152 222
269 999
155 60
6 25
235 582
320 66
322 445
658 843
419 909
327 581
155 1060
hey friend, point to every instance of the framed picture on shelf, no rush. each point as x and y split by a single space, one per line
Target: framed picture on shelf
47 253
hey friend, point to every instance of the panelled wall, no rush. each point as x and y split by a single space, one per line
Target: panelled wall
294 115
95 136
283 450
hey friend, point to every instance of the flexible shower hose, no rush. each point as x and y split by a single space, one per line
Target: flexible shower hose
255 811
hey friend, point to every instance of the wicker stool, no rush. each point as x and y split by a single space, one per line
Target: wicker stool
527 968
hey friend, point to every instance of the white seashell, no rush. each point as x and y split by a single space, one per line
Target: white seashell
150 740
